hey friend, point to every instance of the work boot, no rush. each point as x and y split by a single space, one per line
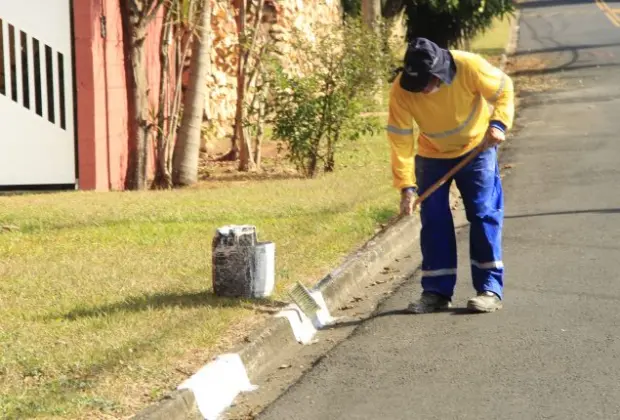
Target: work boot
485 302
429 302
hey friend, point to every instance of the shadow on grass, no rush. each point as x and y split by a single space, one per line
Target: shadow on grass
173 300
10 190
212 169
256 176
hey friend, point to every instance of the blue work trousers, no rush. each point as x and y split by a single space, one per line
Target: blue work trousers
481 189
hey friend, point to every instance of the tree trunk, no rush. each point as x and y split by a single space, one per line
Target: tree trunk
137 107
330 161
163 178
313 162
184 41
136 16
187 147
246 163
312 166
371 12
260 130
242 139
233 153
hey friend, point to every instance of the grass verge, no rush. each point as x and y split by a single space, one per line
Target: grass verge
105 299
492 42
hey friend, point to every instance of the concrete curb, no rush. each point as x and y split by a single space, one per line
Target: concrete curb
177 405
276 337
367 262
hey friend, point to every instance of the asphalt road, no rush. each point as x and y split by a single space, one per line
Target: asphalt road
553 352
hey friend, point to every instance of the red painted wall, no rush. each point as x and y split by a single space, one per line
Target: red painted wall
102 92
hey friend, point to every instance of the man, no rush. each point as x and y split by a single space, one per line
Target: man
447 94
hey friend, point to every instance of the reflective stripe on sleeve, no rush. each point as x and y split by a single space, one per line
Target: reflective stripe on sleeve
400 131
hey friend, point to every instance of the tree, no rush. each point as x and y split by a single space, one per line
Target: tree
136 16
254 44
233 154
187 146
249 41
163 178
179 25
447 23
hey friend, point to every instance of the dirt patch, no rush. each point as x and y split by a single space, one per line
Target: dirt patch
528 74
274 165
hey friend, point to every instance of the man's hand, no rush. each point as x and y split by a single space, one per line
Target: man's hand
407 198
494 137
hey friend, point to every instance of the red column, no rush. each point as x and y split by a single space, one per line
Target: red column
85 22
102 92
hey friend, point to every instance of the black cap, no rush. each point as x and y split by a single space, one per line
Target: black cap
423 60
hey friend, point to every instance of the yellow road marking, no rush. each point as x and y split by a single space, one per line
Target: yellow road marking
609 12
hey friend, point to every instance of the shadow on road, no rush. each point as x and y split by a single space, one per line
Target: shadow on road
537 4
564 213
395 312
562 68
578 295
573 62
563 48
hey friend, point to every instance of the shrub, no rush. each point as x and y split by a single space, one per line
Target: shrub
318 109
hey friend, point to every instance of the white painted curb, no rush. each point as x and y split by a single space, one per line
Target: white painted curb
217 384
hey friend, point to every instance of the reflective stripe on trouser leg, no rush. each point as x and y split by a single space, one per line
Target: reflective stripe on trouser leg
481 188
437 237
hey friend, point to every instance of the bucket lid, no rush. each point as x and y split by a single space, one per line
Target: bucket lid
236 230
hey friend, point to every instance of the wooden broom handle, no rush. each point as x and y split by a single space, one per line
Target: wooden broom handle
475 152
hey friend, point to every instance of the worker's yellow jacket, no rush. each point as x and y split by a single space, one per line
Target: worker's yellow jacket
451 121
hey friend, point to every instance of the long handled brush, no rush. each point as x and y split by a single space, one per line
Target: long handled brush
306 302
301 295
450 174
475 152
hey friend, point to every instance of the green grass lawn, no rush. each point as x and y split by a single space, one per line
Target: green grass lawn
105 298
493 41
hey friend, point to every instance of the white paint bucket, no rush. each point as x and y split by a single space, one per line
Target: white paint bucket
264 269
